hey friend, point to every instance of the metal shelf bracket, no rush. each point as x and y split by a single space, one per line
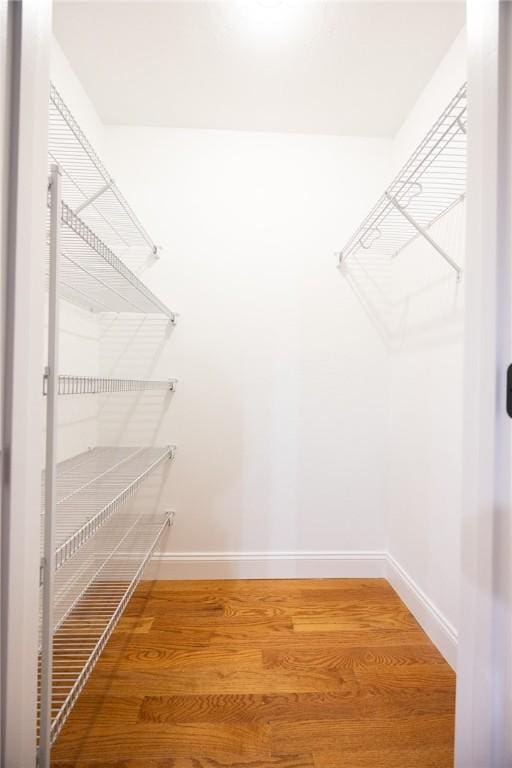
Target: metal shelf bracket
94 197
423 232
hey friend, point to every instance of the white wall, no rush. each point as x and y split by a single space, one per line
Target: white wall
426 385
281 408
72 91
441 88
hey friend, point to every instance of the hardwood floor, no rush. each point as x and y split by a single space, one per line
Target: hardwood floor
264 674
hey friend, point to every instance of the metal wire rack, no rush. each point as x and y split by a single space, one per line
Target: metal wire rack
85 621
88 187
90 487
429 185
91 275
99 522
91 385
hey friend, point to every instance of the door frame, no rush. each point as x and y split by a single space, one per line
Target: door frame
485 627
27 43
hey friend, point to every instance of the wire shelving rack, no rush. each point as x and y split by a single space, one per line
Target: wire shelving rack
89 189
428 186
92 486
99 522
87 611
92 276
92 385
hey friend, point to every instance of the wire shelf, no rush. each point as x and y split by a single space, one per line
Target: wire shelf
122 551
88 187
90 487
429 185
90 385
92 276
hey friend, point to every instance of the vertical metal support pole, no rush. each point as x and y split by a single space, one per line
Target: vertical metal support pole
50 475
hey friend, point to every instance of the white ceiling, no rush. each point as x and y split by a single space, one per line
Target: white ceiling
352 68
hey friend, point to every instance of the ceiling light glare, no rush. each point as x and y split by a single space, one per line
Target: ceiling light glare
269 3
268 21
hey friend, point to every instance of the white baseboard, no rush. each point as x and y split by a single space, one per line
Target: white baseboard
442 633
312 565
267 565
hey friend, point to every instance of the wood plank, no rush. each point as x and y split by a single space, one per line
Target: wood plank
226 741
162 682
287 761
163 590
429 757
404 658
259 586
418 731
393 638
425 678
178 635
359 616
153 657
251 621
244 708
157 604
156 640
115 710
267 708
339 588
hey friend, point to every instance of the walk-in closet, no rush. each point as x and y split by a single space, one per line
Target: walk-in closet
256 398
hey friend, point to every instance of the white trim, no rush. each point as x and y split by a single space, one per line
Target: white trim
483 737
267 565
442 633
21 369
327 564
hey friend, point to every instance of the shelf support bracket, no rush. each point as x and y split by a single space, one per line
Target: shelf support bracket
94 197
423 232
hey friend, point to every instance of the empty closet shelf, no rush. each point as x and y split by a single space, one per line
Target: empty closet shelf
92 486
91 275
429 185
91 385
84 629
89 189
